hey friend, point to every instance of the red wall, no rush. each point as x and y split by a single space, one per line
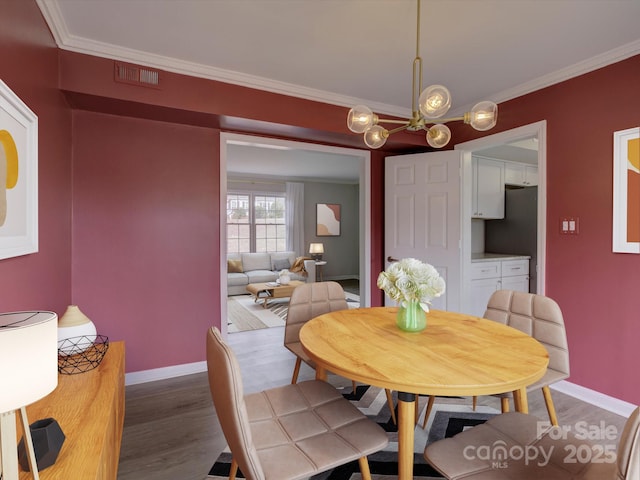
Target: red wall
29 66
144 243
596 289
145 234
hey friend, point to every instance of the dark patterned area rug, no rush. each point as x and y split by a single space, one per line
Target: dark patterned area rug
448 417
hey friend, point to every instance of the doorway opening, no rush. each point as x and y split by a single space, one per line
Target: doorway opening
528 137
285 160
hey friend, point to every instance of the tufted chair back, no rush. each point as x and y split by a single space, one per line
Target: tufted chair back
225 382
309 301
535 315
629 449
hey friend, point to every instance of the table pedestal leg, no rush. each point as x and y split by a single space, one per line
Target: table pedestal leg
520 400
406 426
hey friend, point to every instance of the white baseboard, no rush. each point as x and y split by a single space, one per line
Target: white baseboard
342 277
612 404
163 373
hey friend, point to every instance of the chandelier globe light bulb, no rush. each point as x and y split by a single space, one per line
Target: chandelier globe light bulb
438 135
483 116
360 118
376 136
434 101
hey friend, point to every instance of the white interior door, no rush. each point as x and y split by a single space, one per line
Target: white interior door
422 215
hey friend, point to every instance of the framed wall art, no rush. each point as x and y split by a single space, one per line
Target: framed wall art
18 176
626 191
327 219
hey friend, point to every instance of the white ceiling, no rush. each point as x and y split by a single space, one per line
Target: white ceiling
264 160
347 52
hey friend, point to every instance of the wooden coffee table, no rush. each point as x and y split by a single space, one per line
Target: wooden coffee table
268 291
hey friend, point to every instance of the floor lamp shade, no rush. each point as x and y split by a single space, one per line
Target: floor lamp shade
28 357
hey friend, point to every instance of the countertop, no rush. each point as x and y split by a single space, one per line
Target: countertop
491 257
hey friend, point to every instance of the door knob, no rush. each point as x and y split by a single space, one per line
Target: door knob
391 259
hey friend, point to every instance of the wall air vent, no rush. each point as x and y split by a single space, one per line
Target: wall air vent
136 75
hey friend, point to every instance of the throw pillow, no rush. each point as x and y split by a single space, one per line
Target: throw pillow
281 264
234 266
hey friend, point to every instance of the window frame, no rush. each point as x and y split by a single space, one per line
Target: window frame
254 225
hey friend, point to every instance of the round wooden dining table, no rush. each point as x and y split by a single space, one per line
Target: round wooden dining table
456 355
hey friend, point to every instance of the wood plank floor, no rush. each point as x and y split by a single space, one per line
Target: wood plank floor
171 431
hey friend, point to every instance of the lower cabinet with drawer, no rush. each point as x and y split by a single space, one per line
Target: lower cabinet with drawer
489 276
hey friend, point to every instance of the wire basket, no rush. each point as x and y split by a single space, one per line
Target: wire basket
81 354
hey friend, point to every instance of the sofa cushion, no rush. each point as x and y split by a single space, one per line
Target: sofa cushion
234 266
237 279
261 276
256 261
298 276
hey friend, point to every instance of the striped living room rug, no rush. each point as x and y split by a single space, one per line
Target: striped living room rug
449 416
244 313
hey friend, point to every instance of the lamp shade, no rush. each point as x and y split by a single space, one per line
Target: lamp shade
28 357
316 248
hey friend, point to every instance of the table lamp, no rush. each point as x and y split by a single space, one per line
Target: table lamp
28 372
316 250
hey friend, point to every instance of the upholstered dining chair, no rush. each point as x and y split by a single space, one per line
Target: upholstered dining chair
540 317
309 301
290 432
473 454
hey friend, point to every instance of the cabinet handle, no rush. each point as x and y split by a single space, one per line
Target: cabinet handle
391 259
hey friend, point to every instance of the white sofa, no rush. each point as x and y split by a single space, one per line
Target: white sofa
262 267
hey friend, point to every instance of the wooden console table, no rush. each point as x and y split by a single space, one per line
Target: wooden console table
90 410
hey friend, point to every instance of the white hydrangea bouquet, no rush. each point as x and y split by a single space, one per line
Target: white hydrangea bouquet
410 280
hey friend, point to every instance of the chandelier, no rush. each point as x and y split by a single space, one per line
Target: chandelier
431 105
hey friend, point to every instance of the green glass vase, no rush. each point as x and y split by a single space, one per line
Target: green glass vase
411 317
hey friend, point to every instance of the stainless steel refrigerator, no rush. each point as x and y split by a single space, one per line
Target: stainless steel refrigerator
517 233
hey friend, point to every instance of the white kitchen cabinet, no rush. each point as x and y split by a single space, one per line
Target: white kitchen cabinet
515 275
479 294
488 188
485 279
520 174
517 284
489 276
514 268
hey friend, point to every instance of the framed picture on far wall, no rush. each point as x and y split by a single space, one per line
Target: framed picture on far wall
327 219
626 191
18 176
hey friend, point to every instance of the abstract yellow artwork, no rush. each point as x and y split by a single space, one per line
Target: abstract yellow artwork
18 176
626 191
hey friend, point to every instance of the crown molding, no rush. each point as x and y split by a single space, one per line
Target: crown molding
66 41
612 56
